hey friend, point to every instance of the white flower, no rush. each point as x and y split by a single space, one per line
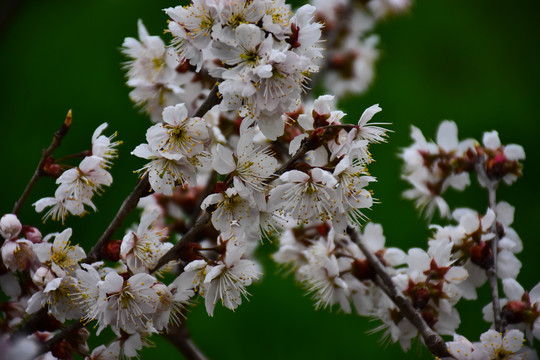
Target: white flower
306 197
18 254
382 8
232 208
164 173
507 346
371 132
143 248
253 164
463 349
178 134
86 294
192 28
62 256
104 147
126 304
61 205
57 296
227 280
353 177
81 182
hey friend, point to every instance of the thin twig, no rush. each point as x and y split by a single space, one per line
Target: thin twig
434 342
130 203
180 338
492 270
174 252
56 141
211 100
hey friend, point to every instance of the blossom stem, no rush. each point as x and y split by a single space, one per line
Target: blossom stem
492 270
434 342
39 172
81 154
180 338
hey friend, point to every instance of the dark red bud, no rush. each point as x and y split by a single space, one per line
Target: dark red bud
363 270
429 317
482 255
189 252
220 187
513 311
51 169
421 298
111 250
62 350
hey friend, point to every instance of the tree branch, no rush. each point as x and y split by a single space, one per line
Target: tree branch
130 203
180 338
434 342
39 172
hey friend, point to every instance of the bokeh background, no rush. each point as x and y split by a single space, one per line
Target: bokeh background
475 62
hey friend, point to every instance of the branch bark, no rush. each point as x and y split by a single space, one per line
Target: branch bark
180 338
433 341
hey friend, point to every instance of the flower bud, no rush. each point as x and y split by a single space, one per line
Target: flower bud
10 226
32 233
111 250
362 270
513 311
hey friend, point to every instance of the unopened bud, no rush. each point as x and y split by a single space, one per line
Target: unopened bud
363 270
513 311
189 253
111 250
62 350
32 233
482 255
10 226
50 168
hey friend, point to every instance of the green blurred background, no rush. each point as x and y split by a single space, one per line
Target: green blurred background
475 62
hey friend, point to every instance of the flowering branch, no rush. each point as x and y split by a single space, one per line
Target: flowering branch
433 341
40 170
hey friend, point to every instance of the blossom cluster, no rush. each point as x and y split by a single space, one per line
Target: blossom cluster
77 185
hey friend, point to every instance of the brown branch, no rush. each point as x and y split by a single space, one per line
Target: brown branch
180 338
211 100
433 341
130 203
174 252
39 172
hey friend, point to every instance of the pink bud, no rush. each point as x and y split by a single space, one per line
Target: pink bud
32 233
10 226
